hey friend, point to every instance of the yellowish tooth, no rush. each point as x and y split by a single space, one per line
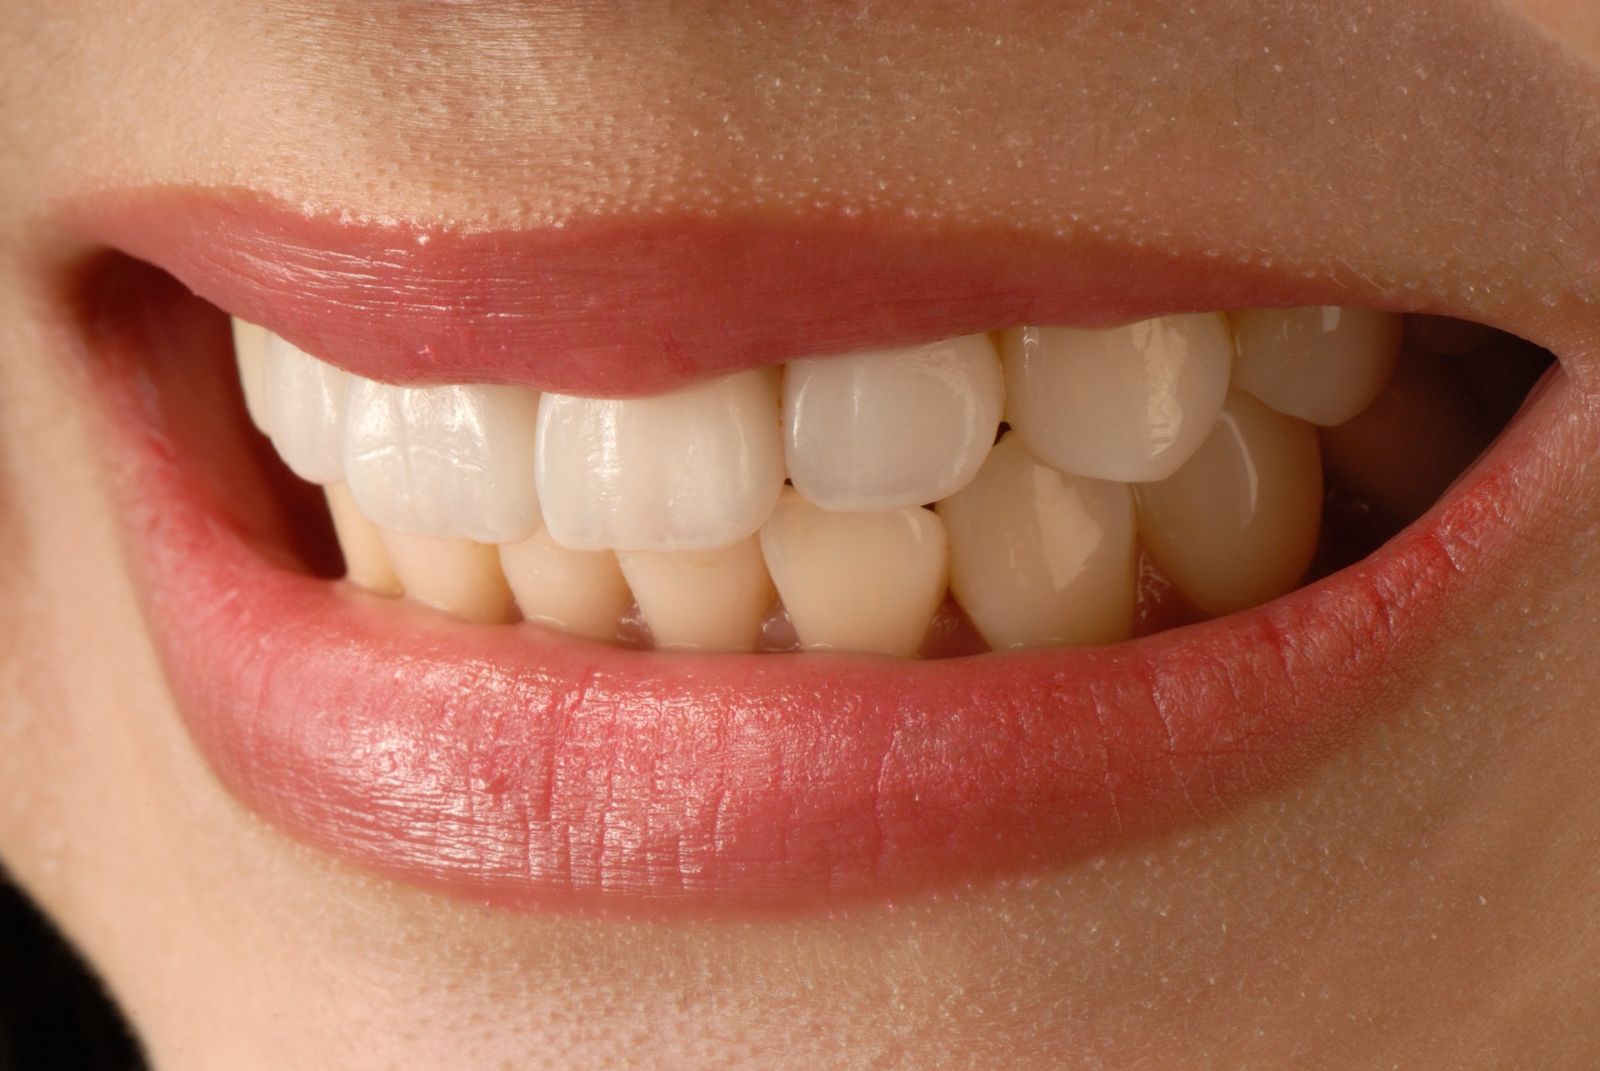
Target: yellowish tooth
857 581
366 559
708 600
1238 524
250 350
1321 363
457 576
577 591
1412 442
1039 557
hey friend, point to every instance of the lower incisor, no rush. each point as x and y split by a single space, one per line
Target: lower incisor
457 576
705 600
366 559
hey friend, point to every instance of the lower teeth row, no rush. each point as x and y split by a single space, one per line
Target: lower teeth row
1054 460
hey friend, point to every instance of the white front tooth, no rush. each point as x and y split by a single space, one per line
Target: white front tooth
366 559
1039 557
457 576
1322 363
693 469
1238 525
1129 403
857 581
576 591
891 428
452 462
303 401
250 352
709 600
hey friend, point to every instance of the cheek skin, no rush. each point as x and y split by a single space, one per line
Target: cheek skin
1453 842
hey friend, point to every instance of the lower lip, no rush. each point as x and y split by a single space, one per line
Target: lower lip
530 771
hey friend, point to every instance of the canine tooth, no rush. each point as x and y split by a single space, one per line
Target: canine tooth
1322 363
693 469
890 428
1129 403
857 581
711 600
366 559
1411 442
1238 524
577 591
451 462
250 352
1039 557
457 576
303 400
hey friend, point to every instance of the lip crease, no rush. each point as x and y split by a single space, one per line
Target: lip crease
533 771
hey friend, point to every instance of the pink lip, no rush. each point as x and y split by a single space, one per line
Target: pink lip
639 307
528 770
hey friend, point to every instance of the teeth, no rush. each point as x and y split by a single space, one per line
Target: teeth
857 581
366 559
1237 525
694 469
250 350
303 401
451 462
1411 443
1321 363
891 428
1130 403
1038 557
577 591
454 575
712 600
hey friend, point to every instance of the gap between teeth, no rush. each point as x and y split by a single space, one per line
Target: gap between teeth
1193 436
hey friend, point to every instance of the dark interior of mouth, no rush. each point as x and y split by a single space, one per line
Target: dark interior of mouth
1456 386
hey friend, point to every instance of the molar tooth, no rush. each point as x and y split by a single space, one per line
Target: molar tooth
890 428
577 591
1039 557
451 462
1322 363
366 559
693 469
711 600
457 576
1129 403
1237 525
250 352
1412 442
303 402
857 581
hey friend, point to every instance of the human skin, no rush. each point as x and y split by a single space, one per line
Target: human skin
1422 898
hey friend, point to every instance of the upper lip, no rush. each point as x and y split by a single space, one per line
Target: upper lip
580 775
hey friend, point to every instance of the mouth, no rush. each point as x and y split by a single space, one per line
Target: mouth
660 603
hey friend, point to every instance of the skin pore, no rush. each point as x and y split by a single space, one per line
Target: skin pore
1422 899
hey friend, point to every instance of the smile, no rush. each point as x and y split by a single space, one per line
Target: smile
739 607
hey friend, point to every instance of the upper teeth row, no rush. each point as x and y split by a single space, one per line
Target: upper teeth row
704 467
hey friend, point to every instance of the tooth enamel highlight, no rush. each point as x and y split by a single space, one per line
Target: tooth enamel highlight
454 575
709 600
1411 443
1321 363
451 462
891 428
857 581
1130 403
693 469
250 351
303 401
366 559
1039 557
578 591
1237 525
